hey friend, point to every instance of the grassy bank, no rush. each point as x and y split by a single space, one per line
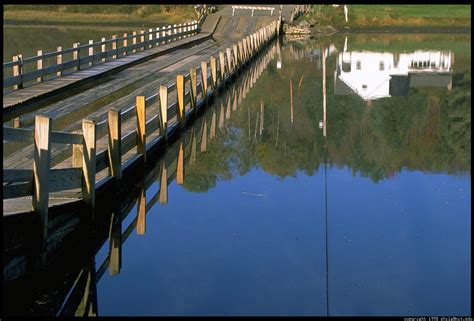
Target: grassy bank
395 16
97 14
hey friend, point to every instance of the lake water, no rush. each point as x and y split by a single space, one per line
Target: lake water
339 185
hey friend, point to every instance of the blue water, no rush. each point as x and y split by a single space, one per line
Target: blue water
374 219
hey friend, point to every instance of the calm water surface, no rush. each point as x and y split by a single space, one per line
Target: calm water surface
278 216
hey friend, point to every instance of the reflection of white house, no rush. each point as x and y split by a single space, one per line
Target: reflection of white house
374 75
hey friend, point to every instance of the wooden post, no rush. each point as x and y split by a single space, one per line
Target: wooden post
41 164
164 111
180 99
103 48
125 44
114 46
88 162
76 55
157 36
115 145
142 39
141 123
240 54
91 51
222 66
204 79
150 38
180 165
163 184
236 58
214 73
193 86
229 61
39 64
141 211
175 31
134 41
77 153
59 60
18 70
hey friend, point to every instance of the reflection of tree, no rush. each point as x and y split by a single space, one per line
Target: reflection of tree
428 130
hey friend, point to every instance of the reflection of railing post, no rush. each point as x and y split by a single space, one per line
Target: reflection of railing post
115 243
180 165
41 164
141 210
163 184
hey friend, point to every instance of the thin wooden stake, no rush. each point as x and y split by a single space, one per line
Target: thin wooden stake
141 123
115 145
180 99
164 111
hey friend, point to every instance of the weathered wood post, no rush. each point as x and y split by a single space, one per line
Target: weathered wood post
115 146
175 32
134 41
41 164
180 165
164 111
59 60
204 79
235 64
150 38
141 123
76 55
103 49
229 61
240 54
157 36
193 86
88 162
222 66
114 46
39 64
180 100
125 44
142 39
77 152
214 73
18 70
91 52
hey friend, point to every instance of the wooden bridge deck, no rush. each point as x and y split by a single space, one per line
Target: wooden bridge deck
121 81
21 101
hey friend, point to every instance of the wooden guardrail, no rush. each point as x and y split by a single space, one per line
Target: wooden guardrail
92 53
87 161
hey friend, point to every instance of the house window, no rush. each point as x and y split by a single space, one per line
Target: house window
364 87
358 65
381 65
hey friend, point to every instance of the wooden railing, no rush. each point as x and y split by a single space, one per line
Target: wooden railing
87 161
90 54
